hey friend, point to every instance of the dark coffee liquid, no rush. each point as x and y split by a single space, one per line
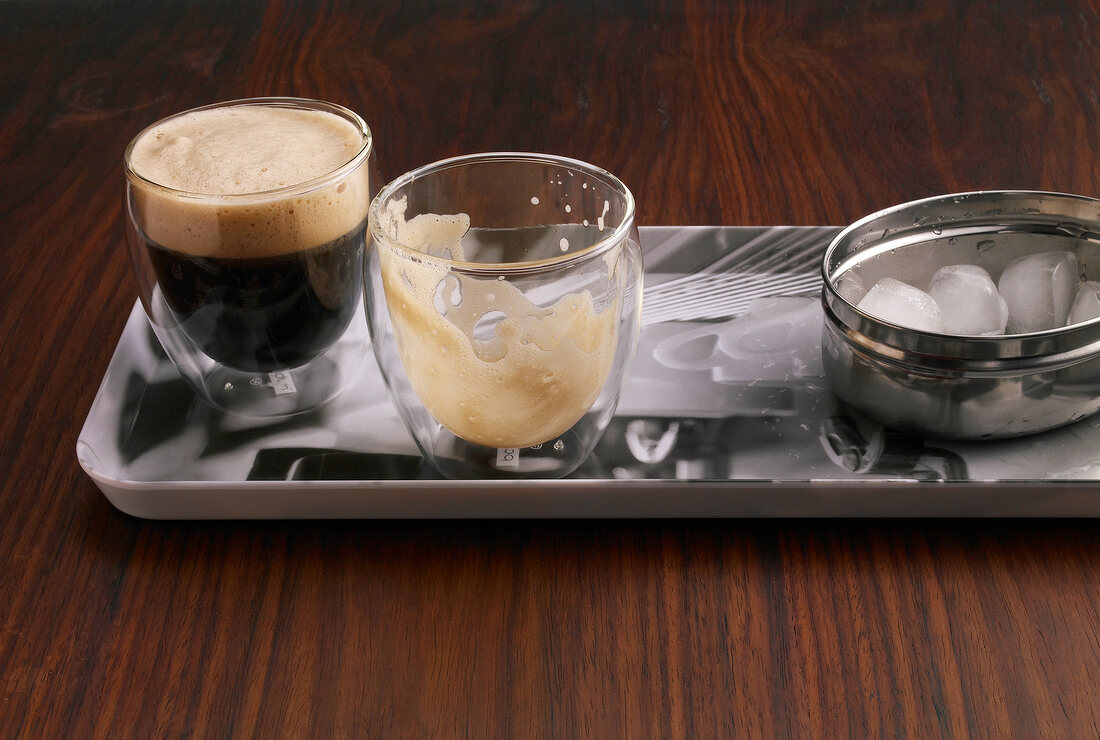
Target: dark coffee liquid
267 313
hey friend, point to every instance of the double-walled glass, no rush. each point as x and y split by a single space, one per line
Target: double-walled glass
252 277
504 298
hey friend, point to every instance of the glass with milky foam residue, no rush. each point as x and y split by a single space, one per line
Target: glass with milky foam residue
503 299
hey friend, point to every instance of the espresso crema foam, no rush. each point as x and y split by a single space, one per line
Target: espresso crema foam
533 379
226 163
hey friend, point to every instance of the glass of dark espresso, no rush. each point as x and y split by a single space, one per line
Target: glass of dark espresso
246 223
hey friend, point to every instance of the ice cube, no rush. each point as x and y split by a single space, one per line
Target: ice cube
849 286
900 303
1038 289
1087 303
968 300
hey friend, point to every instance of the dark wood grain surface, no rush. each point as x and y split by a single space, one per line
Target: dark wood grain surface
713 113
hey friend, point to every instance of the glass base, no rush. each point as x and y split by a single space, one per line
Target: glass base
281 393
456 458
261 394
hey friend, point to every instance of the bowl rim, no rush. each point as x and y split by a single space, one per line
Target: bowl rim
958 351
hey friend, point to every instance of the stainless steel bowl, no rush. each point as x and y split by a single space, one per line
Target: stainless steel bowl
962 387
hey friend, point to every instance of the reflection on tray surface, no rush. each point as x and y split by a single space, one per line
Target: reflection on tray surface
309 463
727 388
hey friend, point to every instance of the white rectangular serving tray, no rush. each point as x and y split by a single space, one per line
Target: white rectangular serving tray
726 413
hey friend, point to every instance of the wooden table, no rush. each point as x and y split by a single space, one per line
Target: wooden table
713 113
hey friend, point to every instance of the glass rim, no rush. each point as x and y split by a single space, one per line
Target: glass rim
335 175
525 267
